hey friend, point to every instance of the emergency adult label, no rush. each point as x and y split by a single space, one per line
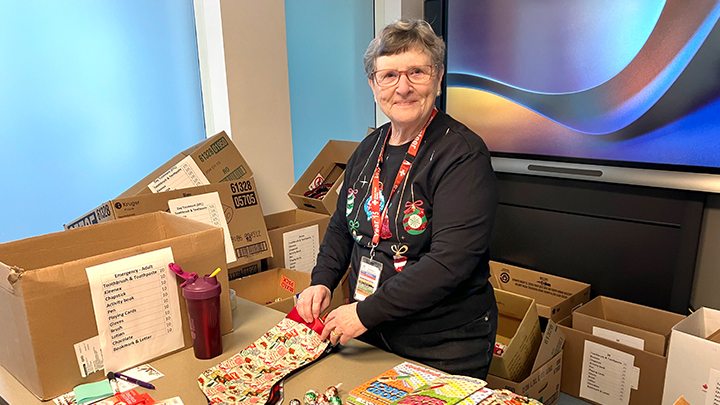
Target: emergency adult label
137 309
607 375
301 248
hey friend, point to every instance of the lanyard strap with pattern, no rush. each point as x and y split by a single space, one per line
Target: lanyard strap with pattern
378 217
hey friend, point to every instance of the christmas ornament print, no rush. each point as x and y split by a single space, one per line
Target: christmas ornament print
399 260
414 220
352 192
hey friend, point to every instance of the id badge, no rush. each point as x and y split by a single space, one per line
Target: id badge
368 278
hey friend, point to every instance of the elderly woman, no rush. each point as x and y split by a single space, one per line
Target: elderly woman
415 227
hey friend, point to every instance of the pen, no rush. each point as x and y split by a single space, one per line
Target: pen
113 382
395 377
134 381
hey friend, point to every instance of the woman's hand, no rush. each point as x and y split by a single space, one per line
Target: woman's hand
343 324
312 302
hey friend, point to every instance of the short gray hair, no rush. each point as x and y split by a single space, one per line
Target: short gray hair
402 36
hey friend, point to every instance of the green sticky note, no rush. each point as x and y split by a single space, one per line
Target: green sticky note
85 393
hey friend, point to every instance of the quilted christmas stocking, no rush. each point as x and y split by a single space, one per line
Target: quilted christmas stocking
248 376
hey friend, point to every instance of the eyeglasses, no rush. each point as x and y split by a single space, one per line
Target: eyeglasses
415 74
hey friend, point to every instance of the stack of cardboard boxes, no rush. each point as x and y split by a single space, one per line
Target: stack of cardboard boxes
546 300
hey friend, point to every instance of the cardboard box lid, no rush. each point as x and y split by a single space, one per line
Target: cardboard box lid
217 157
555 297
335 152
291 217
51 299
649 324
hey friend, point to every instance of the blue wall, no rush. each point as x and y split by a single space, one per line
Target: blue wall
329 94
94 95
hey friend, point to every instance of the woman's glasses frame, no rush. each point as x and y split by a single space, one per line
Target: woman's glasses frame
415 74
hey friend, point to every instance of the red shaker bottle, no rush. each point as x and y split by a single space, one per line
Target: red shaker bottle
203 304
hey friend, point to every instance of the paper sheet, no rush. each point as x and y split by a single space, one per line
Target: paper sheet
713 391
143 372
618 337
607 374
301 248
183 175
207 209
89 356
137 309
4 273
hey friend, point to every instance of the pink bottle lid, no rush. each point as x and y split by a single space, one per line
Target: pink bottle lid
202 288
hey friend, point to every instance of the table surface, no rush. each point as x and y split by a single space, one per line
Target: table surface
350 365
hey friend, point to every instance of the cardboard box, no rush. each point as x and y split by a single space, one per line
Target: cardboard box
287 223
328 167
543 383
519 331
46 301
645 327
555 297
217 158
693 366
646 373
245 270
241 206
276 289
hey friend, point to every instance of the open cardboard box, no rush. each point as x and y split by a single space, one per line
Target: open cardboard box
519 331
284 225
328 167
555 297
693 366
240 204
647 328
585 352
276 289
543 383
46 301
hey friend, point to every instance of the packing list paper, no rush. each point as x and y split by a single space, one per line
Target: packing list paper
607 375
713 391
301 248
137 310
207 209
185 174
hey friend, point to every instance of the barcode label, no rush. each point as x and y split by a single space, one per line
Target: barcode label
253 249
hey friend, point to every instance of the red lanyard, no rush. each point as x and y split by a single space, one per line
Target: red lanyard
377 217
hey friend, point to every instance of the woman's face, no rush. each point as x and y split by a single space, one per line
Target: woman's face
406 103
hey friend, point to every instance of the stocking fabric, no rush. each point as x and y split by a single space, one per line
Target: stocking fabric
248 376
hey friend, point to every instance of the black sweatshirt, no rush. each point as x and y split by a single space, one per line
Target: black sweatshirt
444 215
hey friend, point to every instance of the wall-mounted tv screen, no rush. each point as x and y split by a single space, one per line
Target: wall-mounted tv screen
621 91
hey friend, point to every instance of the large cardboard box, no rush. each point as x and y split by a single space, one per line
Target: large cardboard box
46 301
217 158
328 167
693 366
519 331
623 321
214 160
638 373
555 297
276 289
294 225
240 203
